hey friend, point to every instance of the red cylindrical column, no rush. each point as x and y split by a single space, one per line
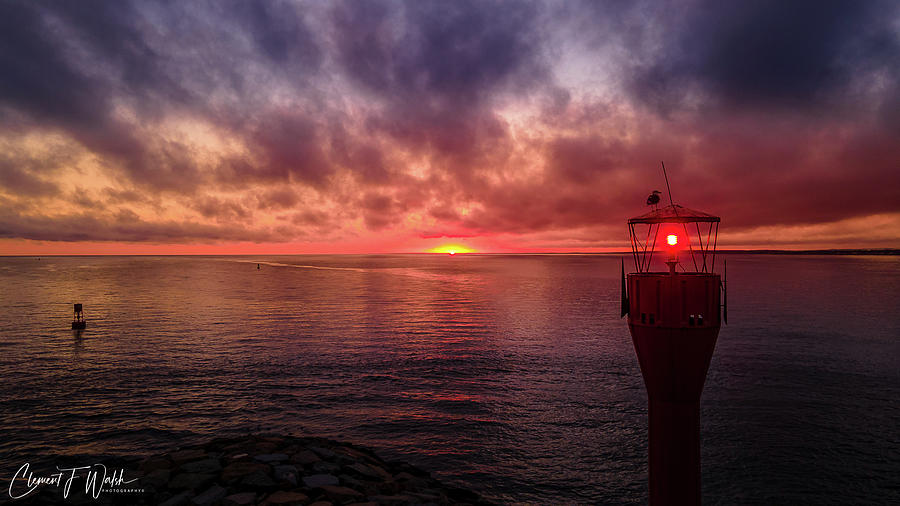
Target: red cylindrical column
674 323
674 453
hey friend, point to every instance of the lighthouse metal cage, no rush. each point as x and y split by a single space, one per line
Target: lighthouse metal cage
685 241
677 229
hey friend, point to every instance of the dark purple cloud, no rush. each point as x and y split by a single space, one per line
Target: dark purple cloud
120 226
811 55
276 121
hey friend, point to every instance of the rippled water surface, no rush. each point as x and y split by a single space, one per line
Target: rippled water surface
512 375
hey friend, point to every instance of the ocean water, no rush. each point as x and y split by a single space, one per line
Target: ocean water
511 375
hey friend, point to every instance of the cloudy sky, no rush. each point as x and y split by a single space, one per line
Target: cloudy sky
388 126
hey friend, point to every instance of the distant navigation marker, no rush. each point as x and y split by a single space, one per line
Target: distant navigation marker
674 319
79 323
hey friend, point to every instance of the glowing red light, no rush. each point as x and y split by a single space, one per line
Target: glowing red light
672 239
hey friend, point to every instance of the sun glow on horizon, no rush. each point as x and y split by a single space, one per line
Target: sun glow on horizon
451 249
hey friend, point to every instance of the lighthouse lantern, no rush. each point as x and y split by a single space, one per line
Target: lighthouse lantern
671 228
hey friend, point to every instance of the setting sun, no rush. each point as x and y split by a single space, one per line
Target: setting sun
451 249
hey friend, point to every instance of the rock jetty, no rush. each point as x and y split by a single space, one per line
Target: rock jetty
273 470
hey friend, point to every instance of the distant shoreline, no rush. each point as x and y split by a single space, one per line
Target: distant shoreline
857 252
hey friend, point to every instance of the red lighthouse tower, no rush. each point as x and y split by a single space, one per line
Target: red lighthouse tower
673 306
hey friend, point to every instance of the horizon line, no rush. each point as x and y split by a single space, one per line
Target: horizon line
828 251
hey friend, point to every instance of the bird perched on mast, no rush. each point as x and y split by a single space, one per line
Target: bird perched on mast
653 199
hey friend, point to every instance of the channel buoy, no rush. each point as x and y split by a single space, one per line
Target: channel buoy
79 323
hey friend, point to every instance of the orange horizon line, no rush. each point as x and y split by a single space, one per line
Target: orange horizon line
575 252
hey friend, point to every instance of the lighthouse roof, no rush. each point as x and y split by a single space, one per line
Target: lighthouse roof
674 214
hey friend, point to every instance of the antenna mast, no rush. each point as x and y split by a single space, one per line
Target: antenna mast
667 181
